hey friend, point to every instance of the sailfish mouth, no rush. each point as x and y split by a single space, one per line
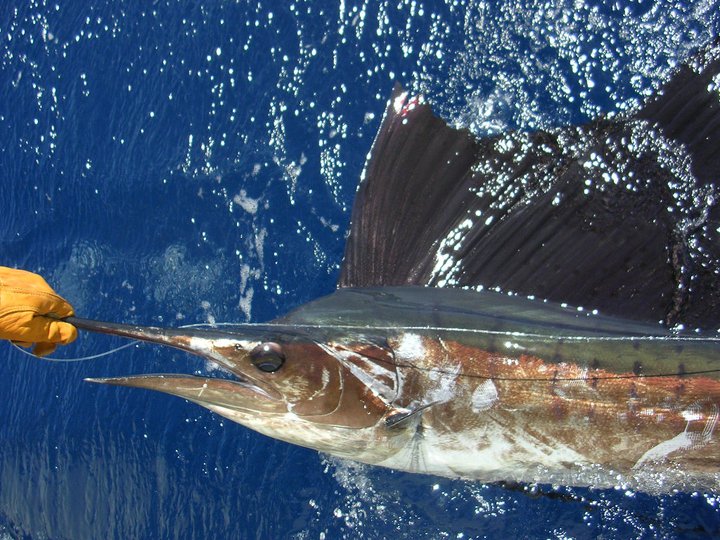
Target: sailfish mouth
209 392
236 393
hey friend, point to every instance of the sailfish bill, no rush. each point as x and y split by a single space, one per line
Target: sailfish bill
521 307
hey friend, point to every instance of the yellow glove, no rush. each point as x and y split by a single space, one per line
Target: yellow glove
25 299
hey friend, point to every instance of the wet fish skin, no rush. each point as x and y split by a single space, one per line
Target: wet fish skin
499 398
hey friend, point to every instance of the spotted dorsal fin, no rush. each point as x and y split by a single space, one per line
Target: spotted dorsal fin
617 215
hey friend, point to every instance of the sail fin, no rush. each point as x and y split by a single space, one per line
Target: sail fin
617 215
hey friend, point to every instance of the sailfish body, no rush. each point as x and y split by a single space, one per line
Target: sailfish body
411 365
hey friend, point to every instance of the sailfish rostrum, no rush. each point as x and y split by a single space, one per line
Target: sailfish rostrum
532 307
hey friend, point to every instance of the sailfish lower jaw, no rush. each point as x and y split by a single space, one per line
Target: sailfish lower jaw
206 391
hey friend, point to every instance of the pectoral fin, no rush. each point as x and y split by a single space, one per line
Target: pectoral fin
402 417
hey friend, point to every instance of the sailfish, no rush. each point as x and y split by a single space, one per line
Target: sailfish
527 306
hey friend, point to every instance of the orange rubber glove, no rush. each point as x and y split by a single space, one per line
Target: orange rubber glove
25 299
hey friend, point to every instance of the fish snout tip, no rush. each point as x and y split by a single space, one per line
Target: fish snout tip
119 381
97 380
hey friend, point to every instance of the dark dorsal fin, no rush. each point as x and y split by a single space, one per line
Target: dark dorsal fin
616 215
418 172
687 109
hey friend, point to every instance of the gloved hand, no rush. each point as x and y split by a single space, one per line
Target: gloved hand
25 299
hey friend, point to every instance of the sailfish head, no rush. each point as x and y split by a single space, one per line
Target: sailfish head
280 380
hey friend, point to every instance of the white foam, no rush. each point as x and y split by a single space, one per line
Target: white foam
248 204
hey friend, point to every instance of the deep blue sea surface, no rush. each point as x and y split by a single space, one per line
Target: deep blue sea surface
181 162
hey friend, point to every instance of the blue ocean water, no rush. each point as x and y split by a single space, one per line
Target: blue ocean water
180 162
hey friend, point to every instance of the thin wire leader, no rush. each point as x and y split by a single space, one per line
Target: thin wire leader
106 353
78 359
99 355
673 338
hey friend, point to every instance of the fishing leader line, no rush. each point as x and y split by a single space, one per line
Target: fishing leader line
78 359
487 332
106 353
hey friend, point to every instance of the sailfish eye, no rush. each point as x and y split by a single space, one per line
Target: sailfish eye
267 357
